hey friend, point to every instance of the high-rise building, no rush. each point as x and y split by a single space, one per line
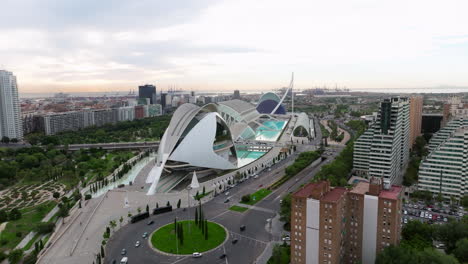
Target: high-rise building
10 111
416 106
444 171
67 121
236 94
105 116
147 91
126 113
383 150
339 225
431 123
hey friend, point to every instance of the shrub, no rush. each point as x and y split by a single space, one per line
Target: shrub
245 198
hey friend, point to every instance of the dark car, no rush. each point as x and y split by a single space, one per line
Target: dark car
242 227
234 240
226 201
151 222
222 256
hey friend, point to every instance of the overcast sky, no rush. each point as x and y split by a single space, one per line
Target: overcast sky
101 45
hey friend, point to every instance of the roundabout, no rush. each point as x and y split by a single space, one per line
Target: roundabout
188 237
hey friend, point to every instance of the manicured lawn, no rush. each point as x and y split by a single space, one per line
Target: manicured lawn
238 208
30 218
164 238
201 195
257 196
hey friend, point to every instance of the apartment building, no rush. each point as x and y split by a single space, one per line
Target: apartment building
444 170
339 225
383 150
10 111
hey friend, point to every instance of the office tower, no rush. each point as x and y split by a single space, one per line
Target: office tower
383 150
416 105
444 169
163 100
10 111
236 94
147 91
339 225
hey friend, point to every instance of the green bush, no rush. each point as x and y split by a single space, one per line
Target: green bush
245 198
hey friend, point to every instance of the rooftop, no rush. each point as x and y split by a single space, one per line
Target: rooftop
393 193
361 188
307 190
334 195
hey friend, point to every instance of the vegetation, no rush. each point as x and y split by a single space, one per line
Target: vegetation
151 128
357 125
194 240
418 153
36 165
325 132
337 172
281 254
256 196
302 161
285 212
417 241
198 196
30 220
238 208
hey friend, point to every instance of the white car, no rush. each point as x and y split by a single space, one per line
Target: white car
196 254
124 260
227 193
256 176
405 212
286 238
137 244
405 221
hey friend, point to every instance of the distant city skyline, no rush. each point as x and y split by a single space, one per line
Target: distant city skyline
89 46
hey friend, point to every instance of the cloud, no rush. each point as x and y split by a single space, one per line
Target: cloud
244 44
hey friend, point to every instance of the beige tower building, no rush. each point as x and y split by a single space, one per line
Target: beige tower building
416 106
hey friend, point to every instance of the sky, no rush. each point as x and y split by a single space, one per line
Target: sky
218 45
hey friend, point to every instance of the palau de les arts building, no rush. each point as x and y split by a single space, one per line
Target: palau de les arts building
221 136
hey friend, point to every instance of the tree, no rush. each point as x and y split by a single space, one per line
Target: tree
203 190
416 228
464 201
168 203
120 221
139 210
245 198
461 250
147 208
285 211
5 140
15 214
451 232
3 216
56 195
178 203
45 228
15 256
63 211
112 224
102 251
206 230
157 205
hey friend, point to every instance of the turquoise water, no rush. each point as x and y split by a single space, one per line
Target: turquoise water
245 157
270 131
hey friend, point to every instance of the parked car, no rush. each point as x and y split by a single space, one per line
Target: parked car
286 238
150 222
222 256
137 244
226 201
226 193
234 241
196 254
242 227
145 235
124 251
405 212
124 260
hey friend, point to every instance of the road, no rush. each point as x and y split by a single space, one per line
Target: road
252 241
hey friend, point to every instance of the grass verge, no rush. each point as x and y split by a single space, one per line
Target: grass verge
165 240
238 208
257 196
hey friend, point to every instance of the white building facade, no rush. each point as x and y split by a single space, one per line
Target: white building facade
383 150
10 111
